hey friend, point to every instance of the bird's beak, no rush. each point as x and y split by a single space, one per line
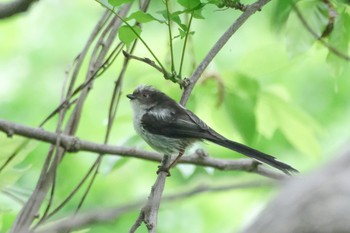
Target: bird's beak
131 96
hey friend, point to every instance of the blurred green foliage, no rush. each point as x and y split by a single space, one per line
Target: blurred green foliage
272 87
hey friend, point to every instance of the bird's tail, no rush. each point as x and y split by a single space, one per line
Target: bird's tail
255 154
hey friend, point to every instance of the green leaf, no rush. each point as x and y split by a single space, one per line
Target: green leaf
241 102
127 34
217 3
198 13
298 38
182 33
142 17
339 39
266 124
8 146
119 2
189 4
193 6
175 16
281 13
274 111
111 163
244 85
242 113
9 177
7 216
119 163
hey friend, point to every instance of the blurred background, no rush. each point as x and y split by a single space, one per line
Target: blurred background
271 87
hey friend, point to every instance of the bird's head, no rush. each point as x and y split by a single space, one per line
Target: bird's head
145 97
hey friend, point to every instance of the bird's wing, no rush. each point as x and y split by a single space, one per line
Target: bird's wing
177 123
182 123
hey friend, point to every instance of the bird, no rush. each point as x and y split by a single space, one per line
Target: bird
170 128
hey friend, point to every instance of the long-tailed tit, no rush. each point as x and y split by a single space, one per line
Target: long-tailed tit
170 128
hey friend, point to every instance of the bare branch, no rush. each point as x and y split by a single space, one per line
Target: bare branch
74 144
249 11
145 60
12 8
80 220
113 107
149 212
47 177
113 213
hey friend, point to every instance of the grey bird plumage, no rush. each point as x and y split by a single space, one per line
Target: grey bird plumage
170 128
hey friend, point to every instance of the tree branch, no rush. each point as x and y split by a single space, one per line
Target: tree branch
103 215
11 8
249 11
145 60
149 212
74 144
318 202
48 174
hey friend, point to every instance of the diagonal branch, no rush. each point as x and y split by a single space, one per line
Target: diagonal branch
249 11
145 60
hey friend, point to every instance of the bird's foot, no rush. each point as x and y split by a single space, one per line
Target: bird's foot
254 166
163 169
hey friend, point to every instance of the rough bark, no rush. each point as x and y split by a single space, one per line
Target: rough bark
318 202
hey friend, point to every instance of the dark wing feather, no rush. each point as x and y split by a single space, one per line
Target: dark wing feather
178 123
182 123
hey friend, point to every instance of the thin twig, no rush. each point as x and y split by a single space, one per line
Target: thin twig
29 211
58 130
13 196
68 198
114 103
99 25
185 43
138 222
170 37
136 34
15 153
145 60
97 58
94 170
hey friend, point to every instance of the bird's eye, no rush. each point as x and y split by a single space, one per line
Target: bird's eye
145 95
